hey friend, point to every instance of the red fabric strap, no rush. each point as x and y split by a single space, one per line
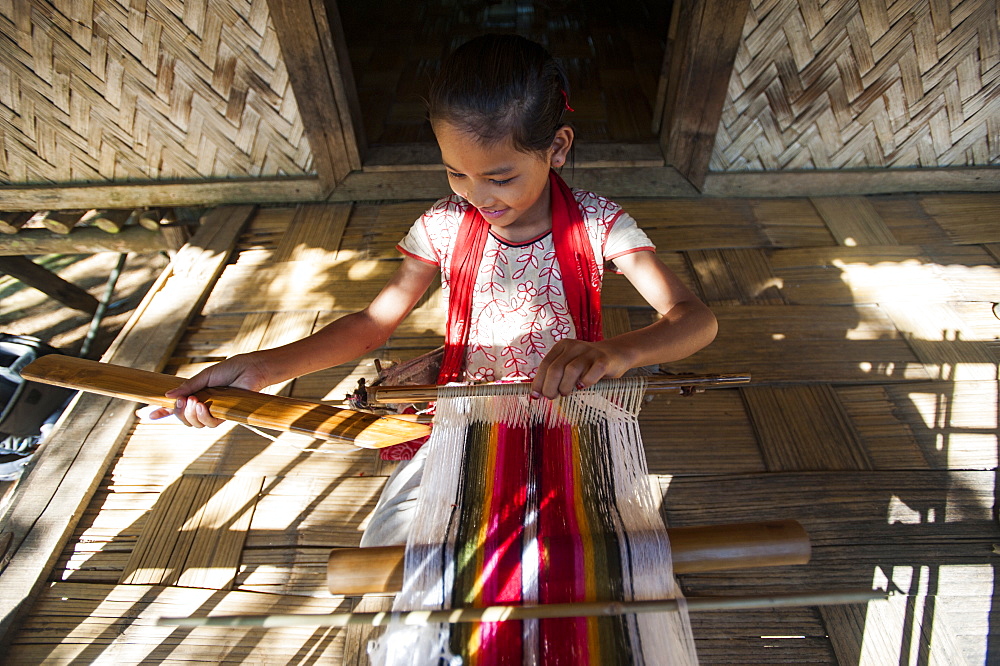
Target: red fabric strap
581 277
465 260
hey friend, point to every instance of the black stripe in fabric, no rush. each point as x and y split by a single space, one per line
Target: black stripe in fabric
469 497
597 477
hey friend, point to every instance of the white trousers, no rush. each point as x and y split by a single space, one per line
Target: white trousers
393 517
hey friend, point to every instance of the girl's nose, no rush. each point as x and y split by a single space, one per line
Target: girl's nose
477 195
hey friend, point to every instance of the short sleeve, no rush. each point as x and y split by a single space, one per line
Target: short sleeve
432 237
626 237
416 244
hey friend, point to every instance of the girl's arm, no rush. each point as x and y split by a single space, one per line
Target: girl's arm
342 340
685 326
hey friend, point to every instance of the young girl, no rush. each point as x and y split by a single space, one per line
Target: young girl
520 254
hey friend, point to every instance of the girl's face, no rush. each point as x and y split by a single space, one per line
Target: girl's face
509 187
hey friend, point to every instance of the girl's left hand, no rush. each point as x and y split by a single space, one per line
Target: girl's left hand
575 364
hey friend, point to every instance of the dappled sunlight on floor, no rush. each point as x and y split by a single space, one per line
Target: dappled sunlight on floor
871 418
918 624
27 311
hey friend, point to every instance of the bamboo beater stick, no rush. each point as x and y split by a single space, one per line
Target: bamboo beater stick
257 409
546 611
667 383
355 571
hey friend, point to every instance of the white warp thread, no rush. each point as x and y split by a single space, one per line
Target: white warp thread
664 638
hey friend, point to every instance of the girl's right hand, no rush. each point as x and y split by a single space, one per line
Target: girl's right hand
247 371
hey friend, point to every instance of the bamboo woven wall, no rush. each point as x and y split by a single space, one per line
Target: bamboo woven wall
869 83
106 90
109 91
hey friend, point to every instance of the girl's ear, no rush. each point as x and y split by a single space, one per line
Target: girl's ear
563 141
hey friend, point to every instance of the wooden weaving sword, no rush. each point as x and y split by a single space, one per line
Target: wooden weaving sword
256 409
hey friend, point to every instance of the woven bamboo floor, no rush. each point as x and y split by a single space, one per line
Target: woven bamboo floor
868 325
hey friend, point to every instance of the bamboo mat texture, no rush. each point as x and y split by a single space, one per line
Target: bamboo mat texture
863 84
872 418
98 90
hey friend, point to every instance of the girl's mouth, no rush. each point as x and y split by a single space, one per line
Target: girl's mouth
492 214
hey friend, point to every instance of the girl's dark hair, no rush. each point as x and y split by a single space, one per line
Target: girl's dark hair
500 86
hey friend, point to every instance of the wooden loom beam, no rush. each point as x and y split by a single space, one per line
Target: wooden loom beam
379 570
675 383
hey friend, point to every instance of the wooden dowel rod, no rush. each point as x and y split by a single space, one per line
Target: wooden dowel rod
547 611
257 409
109 221
61 222
150 219
11 223
426 393
355 571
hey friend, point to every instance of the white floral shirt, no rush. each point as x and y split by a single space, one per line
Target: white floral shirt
519 306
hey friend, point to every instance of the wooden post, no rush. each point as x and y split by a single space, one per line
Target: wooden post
149 219
320 74
701 65
174 236
109 221
60 221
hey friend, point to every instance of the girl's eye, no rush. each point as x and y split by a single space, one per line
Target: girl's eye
452 174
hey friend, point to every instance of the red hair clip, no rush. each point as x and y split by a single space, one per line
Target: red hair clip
566 100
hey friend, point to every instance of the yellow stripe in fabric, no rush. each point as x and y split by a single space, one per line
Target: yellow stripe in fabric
474 645
476 594
490 460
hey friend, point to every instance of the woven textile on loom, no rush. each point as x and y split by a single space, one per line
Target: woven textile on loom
532 502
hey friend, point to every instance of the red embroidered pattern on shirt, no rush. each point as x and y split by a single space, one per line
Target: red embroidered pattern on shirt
519 308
